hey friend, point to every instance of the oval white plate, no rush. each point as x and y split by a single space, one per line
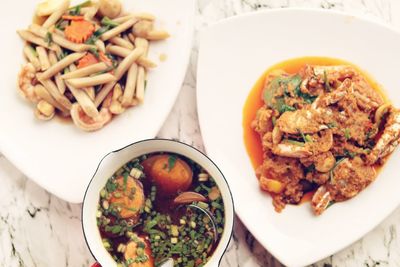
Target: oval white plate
233 55
60 157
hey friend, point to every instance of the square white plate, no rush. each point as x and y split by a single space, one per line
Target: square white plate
60 157
233 55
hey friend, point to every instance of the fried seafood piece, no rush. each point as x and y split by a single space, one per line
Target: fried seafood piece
335 73
367 97
317 177
345 88
281 176
87 123
27 81
389 139
317 79
347 179
303 120
263 120
290 150
281 169
321 142
323 162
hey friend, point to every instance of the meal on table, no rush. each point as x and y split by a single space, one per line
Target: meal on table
322 130
88 62
161 206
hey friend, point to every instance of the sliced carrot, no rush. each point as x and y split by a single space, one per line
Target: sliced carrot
104 58
79 31
91 59
87 60
69 17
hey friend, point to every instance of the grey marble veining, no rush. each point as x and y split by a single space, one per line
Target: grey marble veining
38 229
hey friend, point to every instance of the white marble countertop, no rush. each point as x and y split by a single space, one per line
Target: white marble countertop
38 229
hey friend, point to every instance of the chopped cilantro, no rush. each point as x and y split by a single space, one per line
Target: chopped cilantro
171 162
347 133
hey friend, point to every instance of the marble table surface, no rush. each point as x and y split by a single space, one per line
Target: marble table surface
38 229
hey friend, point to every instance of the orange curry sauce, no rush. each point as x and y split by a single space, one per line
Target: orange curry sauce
254 101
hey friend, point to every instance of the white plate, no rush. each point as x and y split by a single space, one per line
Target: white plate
233 55
60 157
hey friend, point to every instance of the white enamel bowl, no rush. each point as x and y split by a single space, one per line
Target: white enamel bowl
114 160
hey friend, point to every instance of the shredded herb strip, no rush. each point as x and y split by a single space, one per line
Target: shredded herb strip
109 23
294 142
96 35
347 133
61 24
331 125
48 38
334 166
330 203
126 175
95 52
307 138
326 83
33 50
171 162
76 10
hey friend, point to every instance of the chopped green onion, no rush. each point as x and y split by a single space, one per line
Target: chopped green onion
108 22
326 83
294 142
347 133
48 38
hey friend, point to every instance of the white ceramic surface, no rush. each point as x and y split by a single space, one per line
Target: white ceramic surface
60 157
114 160
233 55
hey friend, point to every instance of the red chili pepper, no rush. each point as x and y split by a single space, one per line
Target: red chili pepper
96 265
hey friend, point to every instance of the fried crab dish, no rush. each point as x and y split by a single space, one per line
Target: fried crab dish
324 130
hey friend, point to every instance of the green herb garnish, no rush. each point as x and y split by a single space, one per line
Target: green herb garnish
347 133
48 38
96 35
307 138
294 142
309 99
273 120
111 186
326 83
331 125
349 154
171 162
283 108
33 51
126 175
108 22
76 10
94 51
61 24
330 203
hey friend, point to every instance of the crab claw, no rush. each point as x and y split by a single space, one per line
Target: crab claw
332 98
340 72
320 200
291 150
389 138
305 121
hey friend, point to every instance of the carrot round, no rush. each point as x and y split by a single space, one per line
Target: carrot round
79 31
